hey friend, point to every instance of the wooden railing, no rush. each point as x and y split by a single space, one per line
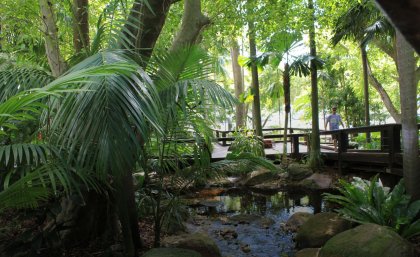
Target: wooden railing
388 152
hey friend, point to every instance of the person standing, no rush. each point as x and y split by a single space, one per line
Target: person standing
334 120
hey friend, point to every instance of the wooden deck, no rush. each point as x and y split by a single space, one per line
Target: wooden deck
386 157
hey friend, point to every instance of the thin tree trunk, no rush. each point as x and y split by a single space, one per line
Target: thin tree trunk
256 108
366 88
193 22
239 85
315 153
384 96
49 28
286 90
408 99
80 25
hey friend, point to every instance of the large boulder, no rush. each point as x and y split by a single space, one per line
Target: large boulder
256 177
308 252
198 242
319 229
296 221
298 171
368 240
171 252
317 181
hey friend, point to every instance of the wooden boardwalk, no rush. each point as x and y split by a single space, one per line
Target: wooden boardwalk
385 157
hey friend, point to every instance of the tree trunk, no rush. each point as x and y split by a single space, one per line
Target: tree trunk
80 25
239 85
193 22
127 215
286 90
256 109
315 161
49 28
384 95
408 99
145 25
366 88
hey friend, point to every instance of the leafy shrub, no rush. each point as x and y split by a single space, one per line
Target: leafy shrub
245 143
366 201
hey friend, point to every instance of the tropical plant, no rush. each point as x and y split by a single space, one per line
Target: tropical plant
364 201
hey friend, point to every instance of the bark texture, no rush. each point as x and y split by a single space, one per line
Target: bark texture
193 22
384 95
256 108
50 30
365 84
81 25
408 98
239 84
315 151
145 25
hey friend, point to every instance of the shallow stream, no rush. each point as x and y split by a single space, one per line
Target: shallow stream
259 232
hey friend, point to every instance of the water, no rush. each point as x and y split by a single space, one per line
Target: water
263 236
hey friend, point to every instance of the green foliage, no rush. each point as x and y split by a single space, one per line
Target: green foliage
247 143
366 201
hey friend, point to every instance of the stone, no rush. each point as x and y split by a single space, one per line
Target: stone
263 222
171 252
296 221
308 252
319 229
198 242
298 171
256 177
317 181
368 240
228 234
245 248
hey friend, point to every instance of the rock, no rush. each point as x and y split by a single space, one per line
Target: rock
265 222
296 221
319 229
198 242
171 252
245 248
256 177
298 171
228 234
308 252
368 240
317 181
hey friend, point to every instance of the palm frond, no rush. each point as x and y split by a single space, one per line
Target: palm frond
100 126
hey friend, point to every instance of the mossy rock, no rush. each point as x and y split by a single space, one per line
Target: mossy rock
171 252
298 171
297 220
308 252
198 242
368 240
319 229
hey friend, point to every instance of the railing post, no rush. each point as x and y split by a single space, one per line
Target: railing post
224 138
343 141
295 145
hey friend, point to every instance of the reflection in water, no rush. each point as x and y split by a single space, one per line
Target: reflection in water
257 203
263 241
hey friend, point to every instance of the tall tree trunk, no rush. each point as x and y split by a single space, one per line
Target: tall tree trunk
256 109
408 99
193 22
366 88
239 85
49 28
145 25
315 153
80 25
286 90
384 95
